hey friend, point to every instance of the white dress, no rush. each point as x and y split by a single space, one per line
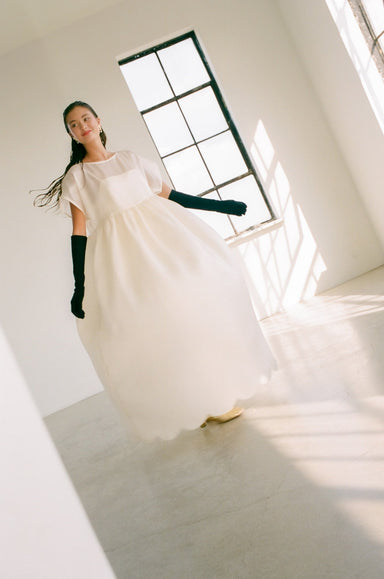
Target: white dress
168 323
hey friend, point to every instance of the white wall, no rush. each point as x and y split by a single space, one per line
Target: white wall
349 89
44 531
326 236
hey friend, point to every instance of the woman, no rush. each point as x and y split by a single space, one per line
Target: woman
165 315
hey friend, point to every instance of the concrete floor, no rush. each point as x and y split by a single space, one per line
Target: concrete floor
292 490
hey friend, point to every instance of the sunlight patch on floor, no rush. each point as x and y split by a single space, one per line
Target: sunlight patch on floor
339 447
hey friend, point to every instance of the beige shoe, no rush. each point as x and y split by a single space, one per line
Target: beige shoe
230 415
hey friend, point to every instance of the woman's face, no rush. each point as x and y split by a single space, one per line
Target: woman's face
82 125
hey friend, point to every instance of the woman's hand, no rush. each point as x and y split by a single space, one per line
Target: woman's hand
77 303
232 207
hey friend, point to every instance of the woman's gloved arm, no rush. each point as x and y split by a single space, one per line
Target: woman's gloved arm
78 246
195 202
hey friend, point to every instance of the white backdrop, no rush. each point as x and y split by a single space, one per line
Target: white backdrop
44 531
326 235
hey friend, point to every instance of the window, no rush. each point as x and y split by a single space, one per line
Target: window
184 111
370 17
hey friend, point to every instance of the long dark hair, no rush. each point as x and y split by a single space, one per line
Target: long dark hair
53 192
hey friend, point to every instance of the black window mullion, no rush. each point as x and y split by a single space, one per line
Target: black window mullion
235 179
223 107
175 98
159 47
165 74
231 124
195 142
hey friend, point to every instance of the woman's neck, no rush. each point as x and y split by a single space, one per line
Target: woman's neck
96 153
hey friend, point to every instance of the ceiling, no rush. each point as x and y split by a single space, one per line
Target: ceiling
25 20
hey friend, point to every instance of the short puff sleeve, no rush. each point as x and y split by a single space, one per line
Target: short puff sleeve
152 174
71 193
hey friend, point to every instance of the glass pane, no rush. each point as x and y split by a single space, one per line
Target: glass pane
183 66
375 12
203 114
146 81
223 157
187 171
247 190
168 129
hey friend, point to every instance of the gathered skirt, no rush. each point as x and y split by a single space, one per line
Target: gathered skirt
169 323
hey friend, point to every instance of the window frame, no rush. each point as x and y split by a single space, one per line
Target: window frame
366 27
212 83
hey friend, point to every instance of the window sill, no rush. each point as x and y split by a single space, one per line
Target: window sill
255 232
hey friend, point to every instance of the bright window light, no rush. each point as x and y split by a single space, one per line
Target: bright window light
184 111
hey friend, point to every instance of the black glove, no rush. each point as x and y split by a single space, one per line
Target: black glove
194 202
78 245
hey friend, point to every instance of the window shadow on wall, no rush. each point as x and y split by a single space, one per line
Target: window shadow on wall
282 265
